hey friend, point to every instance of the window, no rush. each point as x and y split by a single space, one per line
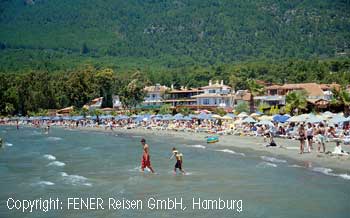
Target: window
211 90
205 101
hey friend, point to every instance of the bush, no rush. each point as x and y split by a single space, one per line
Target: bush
242 107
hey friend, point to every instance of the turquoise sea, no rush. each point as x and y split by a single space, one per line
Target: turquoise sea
69 164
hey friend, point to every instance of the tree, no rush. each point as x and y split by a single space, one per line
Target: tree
220 111
9 108
254 89
184 110
262 107
81 87
132 94
165 109
105 81
242 107
341 97
84 111
296 101
233 81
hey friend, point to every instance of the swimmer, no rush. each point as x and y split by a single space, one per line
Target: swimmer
178 164
0 142
145 161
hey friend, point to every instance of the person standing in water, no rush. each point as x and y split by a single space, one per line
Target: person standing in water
302 138
145 161
321 137
178 164
309 135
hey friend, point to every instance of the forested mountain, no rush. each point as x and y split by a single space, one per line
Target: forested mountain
57 53
169 33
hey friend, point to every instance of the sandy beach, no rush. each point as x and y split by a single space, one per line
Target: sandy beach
286 148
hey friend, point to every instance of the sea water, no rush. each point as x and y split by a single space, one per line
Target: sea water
89 167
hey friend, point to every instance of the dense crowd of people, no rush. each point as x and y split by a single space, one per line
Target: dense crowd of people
312 136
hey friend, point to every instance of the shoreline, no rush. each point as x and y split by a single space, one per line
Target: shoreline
289 149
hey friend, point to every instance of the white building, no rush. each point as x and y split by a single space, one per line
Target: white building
116 102
154 95
94 104
215 95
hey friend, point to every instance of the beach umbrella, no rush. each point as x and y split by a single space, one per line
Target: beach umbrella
216 116
265 122
265 117
56 118
158 118
231 115
168 118
205 111
77 118
328 114
178 115
203 116
255 115
339 119
193 116
123 117
138 119
187 118
242 115
66 118
145 118
313 119
299 118
249 120
226 117
280 118
109 116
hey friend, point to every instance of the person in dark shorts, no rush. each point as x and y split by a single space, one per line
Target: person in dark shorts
309 136
178 164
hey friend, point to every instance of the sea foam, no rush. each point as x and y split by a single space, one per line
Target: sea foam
329 172
49 157
266 164
75 179
51 138
272 159
44 183
198 146
326 171
344 176
57 163
231 152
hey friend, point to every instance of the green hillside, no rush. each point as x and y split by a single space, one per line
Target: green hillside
54 54
171 33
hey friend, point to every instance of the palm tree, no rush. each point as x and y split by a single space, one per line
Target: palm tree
297 100
341 98
254 89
